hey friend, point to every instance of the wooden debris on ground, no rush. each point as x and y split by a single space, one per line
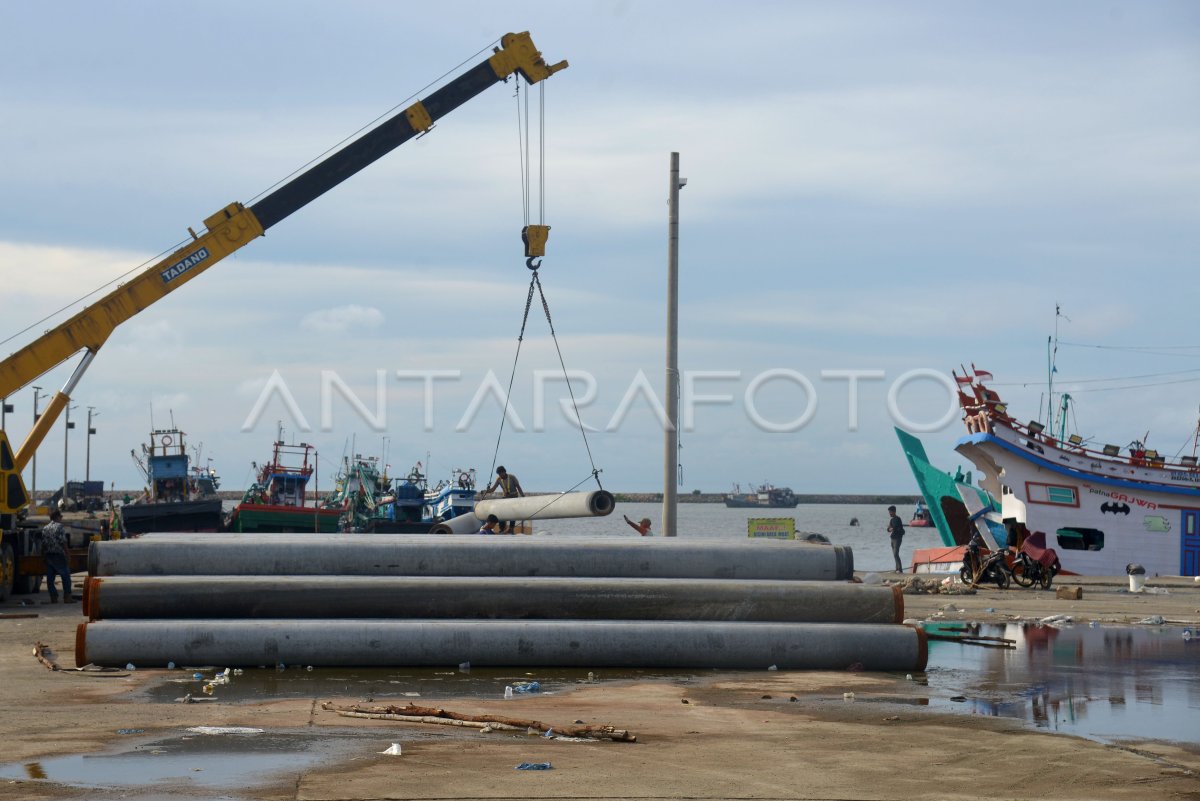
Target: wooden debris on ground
45 655
411 713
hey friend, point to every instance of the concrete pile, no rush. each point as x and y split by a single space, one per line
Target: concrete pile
413 600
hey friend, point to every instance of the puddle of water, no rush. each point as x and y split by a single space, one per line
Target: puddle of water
415 685
1106 683
203 763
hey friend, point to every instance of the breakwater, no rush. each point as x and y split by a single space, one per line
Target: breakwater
719 497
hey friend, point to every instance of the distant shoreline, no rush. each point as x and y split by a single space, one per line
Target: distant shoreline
633 497
719 497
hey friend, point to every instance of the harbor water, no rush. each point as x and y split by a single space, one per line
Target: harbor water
869 539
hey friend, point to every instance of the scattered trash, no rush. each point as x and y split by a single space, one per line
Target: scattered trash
534 766
170 666
394 750
1047 621
1094 625
198 676
684 701
773 667
990 609
526 687
309 668
130 667
958 698
591 676
486 730
549 735
908 677
1156 591
464 667
1153 620
1187 634
508 692
131 731
766 698
847 696
872 578
224 730
892 717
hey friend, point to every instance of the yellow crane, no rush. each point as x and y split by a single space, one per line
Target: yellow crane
224 232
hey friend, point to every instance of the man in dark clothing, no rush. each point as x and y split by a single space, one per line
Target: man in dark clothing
54 552
896 530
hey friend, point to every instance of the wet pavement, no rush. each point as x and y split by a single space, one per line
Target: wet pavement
200 766
1107 683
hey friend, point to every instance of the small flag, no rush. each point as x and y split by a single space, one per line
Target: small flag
962 379
981 375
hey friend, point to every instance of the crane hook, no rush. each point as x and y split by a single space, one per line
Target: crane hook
529 263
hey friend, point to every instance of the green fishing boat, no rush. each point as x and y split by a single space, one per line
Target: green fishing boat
277 501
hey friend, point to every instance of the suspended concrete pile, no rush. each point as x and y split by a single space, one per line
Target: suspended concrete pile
597 503
417 600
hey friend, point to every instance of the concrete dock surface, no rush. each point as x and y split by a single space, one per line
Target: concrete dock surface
708 735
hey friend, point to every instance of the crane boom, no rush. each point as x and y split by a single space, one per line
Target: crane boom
236 225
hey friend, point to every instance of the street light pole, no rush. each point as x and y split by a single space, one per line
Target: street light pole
66 442
33 461
87 470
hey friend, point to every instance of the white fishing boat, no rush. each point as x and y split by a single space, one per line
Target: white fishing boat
1101 507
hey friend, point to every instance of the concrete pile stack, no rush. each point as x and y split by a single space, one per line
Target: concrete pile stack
412 600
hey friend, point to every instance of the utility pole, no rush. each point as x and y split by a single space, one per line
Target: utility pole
671 446
33 461
87 469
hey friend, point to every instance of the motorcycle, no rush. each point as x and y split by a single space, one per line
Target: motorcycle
1035 563
979 568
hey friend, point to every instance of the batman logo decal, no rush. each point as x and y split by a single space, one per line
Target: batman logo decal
1114 508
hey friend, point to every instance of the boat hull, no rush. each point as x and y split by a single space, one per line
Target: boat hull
201 515
1097 523
738 503
268 518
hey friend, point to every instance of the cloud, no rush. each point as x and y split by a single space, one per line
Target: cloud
342 319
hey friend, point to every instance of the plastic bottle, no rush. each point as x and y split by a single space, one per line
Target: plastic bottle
508 692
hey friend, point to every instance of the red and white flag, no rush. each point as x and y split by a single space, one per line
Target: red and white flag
981 375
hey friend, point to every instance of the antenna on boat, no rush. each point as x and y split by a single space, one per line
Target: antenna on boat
1052 367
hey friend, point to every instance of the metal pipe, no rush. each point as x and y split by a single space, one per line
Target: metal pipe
472 597
596 503
423 555
502 643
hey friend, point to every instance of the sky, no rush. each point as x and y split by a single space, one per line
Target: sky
877 193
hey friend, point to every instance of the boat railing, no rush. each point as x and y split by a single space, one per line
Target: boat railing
1137 458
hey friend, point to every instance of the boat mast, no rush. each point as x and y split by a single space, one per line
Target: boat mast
671 445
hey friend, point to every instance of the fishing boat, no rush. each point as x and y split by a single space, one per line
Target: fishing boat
277 501
178 496
920 517
766 496
1101 508
359 489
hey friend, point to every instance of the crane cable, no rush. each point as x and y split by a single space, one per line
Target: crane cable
535 281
